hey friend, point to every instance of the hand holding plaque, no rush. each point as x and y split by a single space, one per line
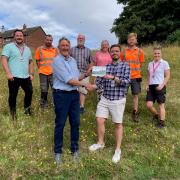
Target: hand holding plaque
99 71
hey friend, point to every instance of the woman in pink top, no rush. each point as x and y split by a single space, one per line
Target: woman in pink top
102 57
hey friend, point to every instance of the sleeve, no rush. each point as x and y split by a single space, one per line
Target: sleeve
6 51
30 55
125 80
99 82
141 56
166 66
62 72
37 54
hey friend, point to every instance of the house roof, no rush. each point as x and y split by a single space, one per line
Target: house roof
27 31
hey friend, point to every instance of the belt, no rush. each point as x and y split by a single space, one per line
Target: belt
65 92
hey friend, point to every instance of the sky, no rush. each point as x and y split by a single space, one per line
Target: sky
93 18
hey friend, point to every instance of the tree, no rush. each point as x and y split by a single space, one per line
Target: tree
152 20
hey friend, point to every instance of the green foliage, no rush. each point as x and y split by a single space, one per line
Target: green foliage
152 20
174 37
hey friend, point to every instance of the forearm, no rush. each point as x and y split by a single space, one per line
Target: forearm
31 68
74 82
166 80
167 77
5 65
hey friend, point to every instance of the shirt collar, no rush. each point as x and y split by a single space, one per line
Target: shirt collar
83 47
159 61
133 48
116 63
66 59
44 47
23 45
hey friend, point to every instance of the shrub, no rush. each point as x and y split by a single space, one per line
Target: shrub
174 37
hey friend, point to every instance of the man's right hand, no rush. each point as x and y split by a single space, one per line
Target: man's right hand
10 77
90 87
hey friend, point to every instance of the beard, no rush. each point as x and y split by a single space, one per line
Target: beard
48 44
115 59
19 41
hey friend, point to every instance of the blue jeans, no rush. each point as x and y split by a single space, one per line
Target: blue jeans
66 104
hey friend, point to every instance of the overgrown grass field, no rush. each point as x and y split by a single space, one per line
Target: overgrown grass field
26 146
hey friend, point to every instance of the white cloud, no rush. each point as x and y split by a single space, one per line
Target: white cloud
64 18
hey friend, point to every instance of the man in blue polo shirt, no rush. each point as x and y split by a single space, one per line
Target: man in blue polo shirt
66 80
18 66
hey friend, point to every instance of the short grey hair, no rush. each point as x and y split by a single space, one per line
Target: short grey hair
64 38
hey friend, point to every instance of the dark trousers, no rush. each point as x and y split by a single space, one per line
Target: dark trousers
66 104
14 85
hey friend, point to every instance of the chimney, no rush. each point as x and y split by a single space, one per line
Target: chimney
24 27
2 29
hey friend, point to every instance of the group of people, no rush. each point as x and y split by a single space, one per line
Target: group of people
67 71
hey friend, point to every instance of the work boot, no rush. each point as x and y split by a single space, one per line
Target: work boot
82 110
135 116
160 124
43 101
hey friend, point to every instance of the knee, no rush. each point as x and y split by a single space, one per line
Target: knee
161 106
149 105
100 121
119 125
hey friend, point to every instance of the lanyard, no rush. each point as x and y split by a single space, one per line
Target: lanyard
21 51
155 68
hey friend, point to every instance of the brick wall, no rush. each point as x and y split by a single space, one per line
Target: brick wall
35 39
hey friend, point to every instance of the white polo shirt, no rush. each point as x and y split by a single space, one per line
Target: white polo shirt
157 71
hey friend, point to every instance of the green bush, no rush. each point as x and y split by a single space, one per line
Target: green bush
174 37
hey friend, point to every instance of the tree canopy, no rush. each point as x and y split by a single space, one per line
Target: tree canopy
152 20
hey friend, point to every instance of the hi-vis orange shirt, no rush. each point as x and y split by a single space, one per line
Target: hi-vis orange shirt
44 57
135 58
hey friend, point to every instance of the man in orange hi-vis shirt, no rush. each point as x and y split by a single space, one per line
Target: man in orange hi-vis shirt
135 57
44 56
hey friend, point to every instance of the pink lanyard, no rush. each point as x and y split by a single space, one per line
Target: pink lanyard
21 50
155 68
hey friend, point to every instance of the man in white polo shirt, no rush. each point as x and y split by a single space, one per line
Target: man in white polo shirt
158 77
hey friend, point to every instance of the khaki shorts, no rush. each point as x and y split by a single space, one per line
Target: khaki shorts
116 109
83 90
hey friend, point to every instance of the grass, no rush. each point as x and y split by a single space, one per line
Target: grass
26 149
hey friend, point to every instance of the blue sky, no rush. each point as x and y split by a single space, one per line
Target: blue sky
93 18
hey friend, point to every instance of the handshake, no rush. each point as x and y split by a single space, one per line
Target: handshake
89 86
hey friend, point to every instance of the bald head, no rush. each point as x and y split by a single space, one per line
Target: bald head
80 40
